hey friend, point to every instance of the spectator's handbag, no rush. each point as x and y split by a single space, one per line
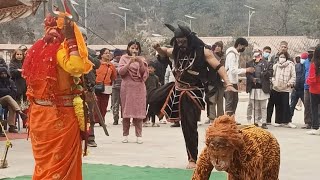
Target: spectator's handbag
100 87
107 89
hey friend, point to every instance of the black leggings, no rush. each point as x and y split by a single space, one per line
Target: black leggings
315 101
190 115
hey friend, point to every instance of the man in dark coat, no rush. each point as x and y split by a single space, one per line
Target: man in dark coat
258 85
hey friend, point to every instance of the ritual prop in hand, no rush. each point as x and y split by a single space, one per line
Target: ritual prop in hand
3 161
65 9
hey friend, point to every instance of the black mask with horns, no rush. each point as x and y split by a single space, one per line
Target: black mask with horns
183 31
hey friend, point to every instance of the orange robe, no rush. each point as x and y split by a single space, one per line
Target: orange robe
54 130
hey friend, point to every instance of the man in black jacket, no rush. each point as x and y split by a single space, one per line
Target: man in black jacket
258 85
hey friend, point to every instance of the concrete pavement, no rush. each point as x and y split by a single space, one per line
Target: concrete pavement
164 147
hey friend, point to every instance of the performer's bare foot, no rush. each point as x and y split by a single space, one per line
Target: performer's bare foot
191 165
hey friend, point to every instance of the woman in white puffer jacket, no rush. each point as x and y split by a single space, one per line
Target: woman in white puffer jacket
283 80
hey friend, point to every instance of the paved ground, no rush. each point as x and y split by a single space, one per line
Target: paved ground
164 147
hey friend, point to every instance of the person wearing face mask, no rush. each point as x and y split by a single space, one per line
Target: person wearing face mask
284 78
258 85
133 70
266 53
233 71
282 49
273 60
298 89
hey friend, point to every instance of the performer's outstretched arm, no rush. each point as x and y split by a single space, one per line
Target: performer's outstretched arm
163 51
213 62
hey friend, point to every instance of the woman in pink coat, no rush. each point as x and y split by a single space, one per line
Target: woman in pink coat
133 70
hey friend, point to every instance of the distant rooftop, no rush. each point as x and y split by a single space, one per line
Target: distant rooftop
296 44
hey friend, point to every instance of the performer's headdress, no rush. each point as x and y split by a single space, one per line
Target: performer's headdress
185 31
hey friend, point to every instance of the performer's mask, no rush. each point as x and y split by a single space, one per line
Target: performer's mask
181 35
182 43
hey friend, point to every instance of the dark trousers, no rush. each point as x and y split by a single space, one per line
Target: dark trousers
270 106
315 101
282 107
103 100
190 115
150 115
307 107
115 103
232 99
153 118
295 96
92 121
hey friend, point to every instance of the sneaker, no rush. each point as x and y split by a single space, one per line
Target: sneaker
139 140
163 122
298 108
92 144
290 125
125 140
145 125
208 121
314 132
264 126
115 123
276 125
155 125
306 126
12 129
176 124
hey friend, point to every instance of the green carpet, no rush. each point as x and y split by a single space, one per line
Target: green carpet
103 172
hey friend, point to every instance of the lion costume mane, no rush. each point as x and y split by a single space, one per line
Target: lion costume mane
256 152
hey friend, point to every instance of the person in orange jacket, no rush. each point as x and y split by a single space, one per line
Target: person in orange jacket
106 73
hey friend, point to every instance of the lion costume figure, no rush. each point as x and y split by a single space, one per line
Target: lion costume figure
247 153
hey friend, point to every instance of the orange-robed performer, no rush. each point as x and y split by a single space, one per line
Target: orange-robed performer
52 69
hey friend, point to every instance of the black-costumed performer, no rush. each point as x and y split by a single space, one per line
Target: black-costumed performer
183 99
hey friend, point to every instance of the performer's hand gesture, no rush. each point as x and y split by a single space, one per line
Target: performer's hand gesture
68 29
133 58
156 46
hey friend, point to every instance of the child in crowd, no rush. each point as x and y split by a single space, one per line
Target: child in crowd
152 83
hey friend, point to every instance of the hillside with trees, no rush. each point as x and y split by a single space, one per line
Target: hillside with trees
213 18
